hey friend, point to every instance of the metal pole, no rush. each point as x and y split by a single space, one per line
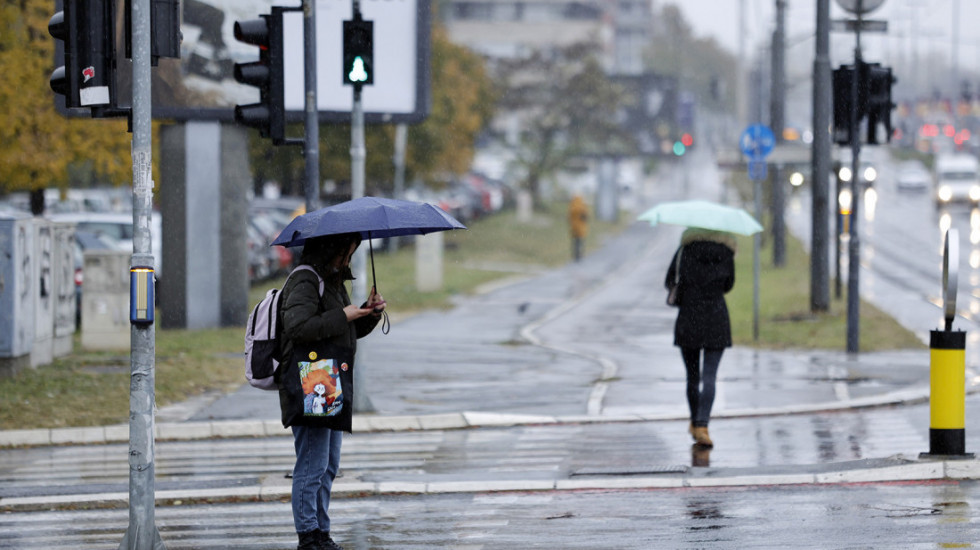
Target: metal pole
837 235
820 165
142 532
756 249
311 140
742 76
854 250
776 116
401 137
357 155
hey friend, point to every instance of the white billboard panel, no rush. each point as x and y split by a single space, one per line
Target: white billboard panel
200 85
395 69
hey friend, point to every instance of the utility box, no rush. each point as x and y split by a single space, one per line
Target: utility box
63 282
42 351
105 300
16 291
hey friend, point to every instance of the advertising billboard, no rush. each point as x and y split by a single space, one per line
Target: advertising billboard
201 86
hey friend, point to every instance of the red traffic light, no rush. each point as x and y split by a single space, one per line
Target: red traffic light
687 140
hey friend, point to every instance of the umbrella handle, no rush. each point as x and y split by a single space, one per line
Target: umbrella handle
374 278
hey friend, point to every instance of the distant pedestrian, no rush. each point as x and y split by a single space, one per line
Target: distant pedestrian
308 318
704 269
578 221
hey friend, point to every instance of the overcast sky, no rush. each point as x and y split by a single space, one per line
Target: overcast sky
930 21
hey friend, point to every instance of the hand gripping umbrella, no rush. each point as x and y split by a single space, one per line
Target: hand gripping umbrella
372 217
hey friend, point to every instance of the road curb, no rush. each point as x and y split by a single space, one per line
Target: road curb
895 469
219 429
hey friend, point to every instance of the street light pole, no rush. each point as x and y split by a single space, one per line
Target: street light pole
820 164
854 246
311 141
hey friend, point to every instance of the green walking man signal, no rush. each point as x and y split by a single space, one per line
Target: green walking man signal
358 51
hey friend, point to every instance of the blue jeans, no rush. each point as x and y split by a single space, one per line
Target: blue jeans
317 463
701 382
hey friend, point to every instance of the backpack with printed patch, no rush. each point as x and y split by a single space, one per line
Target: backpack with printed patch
262 334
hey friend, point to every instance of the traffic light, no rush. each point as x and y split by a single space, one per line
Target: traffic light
880 104
165 35
268 115
358 51
843 93
86 29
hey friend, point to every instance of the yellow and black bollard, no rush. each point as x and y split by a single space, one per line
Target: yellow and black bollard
947 369
947 394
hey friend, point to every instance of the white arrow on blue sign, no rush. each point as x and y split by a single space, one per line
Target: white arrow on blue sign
757 141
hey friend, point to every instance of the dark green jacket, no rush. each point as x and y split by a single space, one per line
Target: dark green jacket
307 318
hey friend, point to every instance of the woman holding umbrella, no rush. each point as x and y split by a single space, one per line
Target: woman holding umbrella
703 267
309 317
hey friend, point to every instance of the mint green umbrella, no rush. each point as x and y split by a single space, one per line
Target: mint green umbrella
703 214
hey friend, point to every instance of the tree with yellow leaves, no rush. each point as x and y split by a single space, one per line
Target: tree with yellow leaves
37 144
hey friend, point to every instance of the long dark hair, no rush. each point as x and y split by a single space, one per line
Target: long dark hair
320 252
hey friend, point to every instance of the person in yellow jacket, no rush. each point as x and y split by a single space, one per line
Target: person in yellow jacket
578 221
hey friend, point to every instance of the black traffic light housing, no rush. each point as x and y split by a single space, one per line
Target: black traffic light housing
358 51
874 100
843 94
165 33
880 105
268 115
86 79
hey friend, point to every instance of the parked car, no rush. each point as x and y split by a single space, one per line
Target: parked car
116 227
106 230
265 226
912 176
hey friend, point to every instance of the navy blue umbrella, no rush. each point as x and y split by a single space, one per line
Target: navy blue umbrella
372 217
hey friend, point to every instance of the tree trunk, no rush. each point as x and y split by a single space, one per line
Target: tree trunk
37 201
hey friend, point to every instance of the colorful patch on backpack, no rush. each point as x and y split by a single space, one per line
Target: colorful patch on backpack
322 392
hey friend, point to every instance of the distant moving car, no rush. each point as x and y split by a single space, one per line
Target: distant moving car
912 176
957 179
868 173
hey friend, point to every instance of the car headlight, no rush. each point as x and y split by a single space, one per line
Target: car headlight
945 193
844 173
975 193
870 174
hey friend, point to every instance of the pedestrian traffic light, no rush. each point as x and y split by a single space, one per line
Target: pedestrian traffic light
880 104
358 51
85 28
268 115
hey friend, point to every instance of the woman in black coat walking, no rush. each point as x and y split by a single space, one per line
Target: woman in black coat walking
706 264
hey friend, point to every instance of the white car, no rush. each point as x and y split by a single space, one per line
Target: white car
912 176
116 228
957 179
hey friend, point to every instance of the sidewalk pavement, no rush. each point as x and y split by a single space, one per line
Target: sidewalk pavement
533 351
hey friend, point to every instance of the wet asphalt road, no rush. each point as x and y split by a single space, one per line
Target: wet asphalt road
571 370
881 515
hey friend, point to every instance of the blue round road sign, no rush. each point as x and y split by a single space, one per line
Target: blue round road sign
757 141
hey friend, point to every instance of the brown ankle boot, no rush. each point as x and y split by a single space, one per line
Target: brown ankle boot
701 436
690 430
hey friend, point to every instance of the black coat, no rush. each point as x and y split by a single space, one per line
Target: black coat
308 318
707 273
